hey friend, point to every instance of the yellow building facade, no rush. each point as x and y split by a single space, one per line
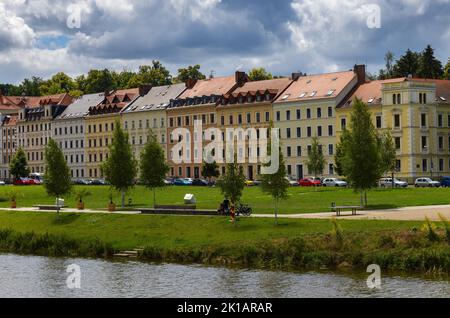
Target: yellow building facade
417 113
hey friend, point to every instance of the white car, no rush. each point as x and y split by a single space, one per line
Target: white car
333 182
2 183
426 183
293 183
388 183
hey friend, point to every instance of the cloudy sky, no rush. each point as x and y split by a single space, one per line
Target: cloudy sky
42 37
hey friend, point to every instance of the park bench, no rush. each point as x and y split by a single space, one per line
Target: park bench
49 207
339 209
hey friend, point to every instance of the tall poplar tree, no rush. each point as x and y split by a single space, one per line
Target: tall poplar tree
121 167
19 166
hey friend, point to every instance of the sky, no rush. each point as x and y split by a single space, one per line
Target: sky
43 37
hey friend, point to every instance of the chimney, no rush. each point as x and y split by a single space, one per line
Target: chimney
241 78
296 76
190 83
144 89
360 71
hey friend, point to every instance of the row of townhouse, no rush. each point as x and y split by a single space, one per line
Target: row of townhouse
416 111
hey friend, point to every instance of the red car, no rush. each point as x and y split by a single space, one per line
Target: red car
310 183
24 182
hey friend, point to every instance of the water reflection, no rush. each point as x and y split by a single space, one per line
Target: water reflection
25 276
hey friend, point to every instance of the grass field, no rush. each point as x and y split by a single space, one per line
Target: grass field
253 243
301 200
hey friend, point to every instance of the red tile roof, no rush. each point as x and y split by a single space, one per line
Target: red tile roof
18 102
208 87
115 101
320 86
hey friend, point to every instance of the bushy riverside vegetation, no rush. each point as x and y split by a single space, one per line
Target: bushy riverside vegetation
254 243
300 200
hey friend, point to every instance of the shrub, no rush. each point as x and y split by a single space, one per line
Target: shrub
430 229
447 227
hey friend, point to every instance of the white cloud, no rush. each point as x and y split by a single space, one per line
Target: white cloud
14 32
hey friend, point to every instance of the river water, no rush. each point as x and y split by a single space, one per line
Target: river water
31 276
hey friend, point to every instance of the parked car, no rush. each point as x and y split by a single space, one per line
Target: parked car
169 182
2 183
445 182
182 182
81 182
24 182
200 183
98 182
310 182
333 182
249 183
426 183
292 183
257 183
389 182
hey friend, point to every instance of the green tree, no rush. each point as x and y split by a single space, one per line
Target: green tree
210 170
19 166
98 81
259 74
429 65
57 174
58 84
447 70
191 72
155 74
31 87
316 161
408 64
341 150
153 167
361 162
232 183
276 185
388 153
121 167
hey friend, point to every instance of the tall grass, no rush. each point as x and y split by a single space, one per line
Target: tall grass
446 226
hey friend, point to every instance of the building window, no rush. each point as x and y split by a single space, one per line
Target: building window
288 133
299 151
309 131
319 112
308 113
331 168
289 152
330 130
299 114
331 150
267 116
378 122
330 111
278 116
343 123
423 120
424 165
398 143
299 132
424 142
397 121
258 117
288 115
319 131
441 143
440 121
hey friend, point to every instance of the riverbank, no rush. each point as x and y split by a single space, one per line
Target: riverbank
300 199
253 243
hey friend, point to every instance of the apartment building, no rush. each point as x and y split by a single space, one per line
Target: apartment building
249 107
34 126
100 123
9 142
307 109
417 113
197 103
69 132
148 113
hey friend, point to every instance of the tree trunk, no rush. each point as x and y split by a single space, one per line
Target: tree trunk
365 199
362 200
57 209
393 182
276 211
123 199
154 198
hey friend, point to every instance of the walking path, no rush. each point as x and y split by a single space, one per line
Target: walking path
400 214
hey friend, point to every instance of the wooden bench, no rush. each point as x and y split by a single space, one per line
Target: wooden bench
339 209
49 207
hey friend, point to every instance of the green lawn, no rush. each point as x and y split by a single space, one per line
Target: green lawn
129 231
301 200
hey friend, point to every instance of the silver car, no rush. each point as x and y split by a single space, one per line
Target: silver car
426 183
333 182
389 183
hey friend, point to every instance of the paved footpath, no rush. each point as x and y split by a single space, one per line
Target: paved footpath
401 214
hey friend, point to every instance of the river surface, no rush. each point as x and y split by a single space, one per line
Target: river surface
31 276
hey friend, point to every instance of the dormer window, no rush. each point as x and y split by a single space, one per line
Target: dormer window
268 97
241 100
371 100
303 95
331 92
313 94
259 98
249 99
285 97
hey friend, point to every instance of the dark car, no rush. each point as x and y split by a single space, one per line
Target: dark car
445 182
98 182
200 183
